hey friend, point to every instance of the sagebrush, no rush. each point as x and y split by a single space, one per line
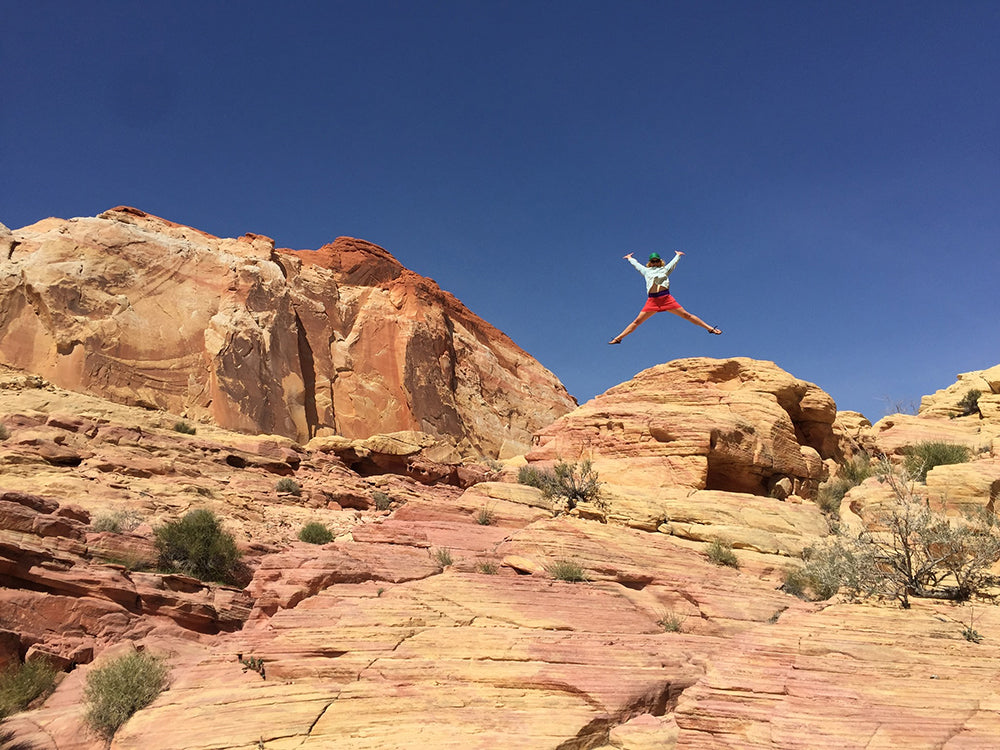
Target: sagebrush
908 550
115 691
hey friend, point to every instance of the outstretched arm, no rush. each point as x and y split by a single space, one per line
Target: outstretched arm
668 269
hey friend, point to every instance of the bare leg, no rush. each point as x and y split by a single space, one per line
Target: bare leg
691 318
641 318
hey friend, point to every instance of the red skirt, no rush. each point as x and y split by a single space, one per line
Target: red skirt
660 302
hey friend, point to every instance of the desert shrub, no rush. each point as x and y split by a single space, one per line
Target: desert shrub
121 687
566 570
443 557
922 457
315 533
671 622
118 522
485 517
571 483
535 477
4 432
20 684
198 546
909 551
721 553
487 568
577 483
382 500
969 404
289 485
184 428
849 474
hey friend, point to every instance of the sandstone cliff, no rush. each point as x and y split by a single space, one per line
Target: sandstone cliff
341 340
376 641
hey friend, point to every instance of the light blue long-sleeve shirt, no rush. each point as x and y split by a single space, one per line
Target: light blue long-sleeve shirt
656 276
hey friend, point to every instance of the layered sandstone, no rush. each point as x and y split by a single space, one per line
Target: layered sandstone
376 640
341 340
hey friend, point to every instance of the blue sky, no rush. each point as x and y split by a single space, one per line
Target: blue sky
831 169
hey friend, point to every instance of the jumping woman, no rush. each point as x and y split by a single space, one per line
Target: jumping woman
657 273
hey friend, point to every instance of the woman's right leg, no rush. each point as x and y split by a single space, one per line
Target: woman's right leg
640 319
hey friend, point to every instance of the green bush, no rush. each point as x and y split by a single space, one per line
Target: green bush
443 557
922 457
315 533
572 483
849 474
566 570
535 477
289 485
485 517
721 553
382 500
121 687
671 622
20 684
969 404
185 428
197 545
487 568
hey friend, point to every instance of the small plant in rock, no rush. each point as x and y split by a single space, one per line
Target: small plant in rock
972 635
566 570
969 404
922 457
443 557
315 533
487 568
849 474
721 553
253 664
382 500
671 622
115 691
118 522
184 428
198 546
289 486
21 684
485 516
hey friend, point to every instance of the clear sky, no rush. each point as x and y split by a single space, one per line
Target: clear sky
831 169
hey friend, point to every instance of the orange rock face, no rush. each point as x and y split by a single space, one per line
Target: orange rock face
342 340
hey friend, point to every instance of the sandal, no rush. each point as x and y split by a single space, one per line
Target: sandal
615 341
716 331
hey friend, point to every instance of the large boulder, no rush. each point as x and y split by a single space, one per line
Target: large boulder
342 340
737 425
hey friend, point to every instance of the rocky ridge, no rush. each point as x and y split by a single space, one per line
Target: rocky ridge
372 641
375 641
341 340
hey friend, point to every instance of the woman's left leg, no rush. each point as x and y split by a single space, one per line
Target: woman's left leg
691 318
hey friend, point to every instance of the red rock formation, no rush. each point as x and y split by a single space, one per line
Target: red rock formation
341 340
